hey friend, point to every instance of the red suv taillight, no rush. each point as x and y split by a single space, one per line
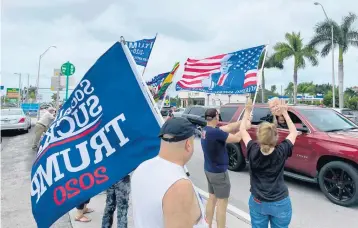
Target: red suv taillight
22 120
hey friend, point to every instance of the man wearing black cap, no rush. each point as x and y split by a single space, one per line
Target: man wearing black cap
213 142
162 193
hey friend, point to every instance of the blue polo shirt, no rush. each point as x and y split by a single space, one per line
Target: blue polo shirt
213 143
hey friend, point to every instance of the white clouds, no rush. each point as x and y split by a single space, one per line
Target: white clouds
83 29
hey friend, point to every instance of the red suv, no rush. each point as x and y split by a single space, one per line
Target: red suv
326 151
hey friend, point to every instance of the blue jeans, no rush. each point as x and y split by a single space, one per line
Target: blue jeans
278 214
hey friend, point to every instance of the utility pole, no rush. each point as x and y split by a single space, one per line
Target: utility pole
19 101
58 92
28 86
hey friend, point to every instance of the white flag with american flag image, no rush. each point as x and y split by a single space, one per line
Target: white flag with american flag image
232 73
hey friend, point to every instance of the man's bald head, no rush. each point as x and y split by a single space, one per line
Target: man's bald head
177 140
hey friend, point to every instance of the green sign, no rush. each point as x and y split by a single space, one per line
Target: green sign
12 92
68 69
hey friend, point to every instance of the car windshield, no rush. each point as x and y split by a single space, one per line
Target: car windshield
327 120
11 112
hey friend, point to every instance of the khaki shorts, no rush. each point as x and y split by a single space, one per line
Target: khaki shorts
219 184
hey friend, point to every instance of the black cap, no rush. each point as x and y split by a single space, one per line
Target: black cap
177 127
211 112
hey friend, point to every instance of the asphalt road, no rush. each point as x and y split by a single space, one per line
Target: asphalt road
311 209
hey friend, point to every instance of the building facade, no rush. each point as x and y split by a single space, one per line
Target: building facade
200 98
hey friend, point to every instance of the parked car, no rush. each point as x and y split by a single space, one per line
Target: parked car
326 151
178 112
165 111
347 113
15 119
195 114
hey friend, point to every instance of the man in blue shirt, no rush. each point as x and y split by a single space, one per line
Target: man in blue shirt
213 142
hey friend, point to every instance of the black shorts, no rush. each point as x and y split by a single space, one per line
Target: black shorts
219 184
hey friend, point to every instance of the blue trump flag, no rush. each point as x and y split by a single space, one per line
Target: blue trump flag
157 80
232 73
103 132
141 50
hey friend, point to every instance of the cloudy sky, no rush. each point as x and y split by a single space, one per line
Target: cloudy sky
82 30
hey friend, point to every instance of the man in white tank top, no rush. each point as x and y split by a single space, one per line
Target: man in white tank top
162 193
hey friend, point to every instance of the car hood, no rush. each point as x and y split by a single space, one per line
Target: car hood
348 137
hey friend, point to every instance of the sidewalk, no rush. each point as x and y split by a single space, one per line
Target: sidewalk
16 163
98 202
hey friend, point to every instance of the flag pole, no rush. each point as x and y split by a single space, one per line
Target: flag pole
260 80
141 81
150 54
165 94
260 76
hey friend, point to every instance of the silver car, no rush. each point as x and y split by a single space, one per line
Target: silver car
15 119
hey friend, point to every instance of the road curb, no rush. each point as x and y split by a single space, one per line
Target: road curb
234 211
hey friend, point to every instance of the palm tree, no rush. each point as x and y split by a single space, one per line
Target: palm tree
294 48
269 63
344 36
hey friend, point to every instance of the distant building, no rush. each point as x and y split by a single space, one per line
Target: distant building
200 98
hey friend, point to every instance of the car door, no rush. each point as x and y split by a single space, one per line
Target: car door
303 155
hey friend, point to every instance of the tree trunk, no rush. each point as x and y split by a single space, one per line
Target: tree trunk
295 85
340 78
263 87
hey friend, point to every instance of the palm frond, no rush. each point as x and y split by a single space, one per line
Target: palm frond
326 49
323 29
347 22
353 43
319 39
294 40
300 61
352 35
283 51
272 63
311 54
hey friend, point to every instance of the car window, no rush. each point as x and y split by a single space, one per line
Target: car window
187 110
327 120
260 115
281 123
227 113
198 111
11 112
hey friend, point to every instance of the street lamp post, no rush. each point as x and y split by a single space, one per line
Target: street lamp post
38 76
19 74
333 79
38 70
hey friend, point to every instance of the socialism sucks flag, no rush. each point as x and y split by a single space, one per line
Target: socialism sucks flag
232 73
106 128
141 50
166 83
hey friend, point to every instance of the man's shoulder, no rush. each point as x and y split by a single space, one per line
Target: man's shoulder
181 189
143 167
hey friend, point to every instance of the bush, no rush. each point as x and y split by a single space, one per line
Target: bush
352 103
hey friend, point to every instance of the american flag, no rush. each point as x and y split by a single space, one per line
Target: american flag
198 69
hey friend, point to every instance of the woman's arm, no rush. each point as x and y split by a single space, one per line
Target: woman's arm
291 127
246 122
